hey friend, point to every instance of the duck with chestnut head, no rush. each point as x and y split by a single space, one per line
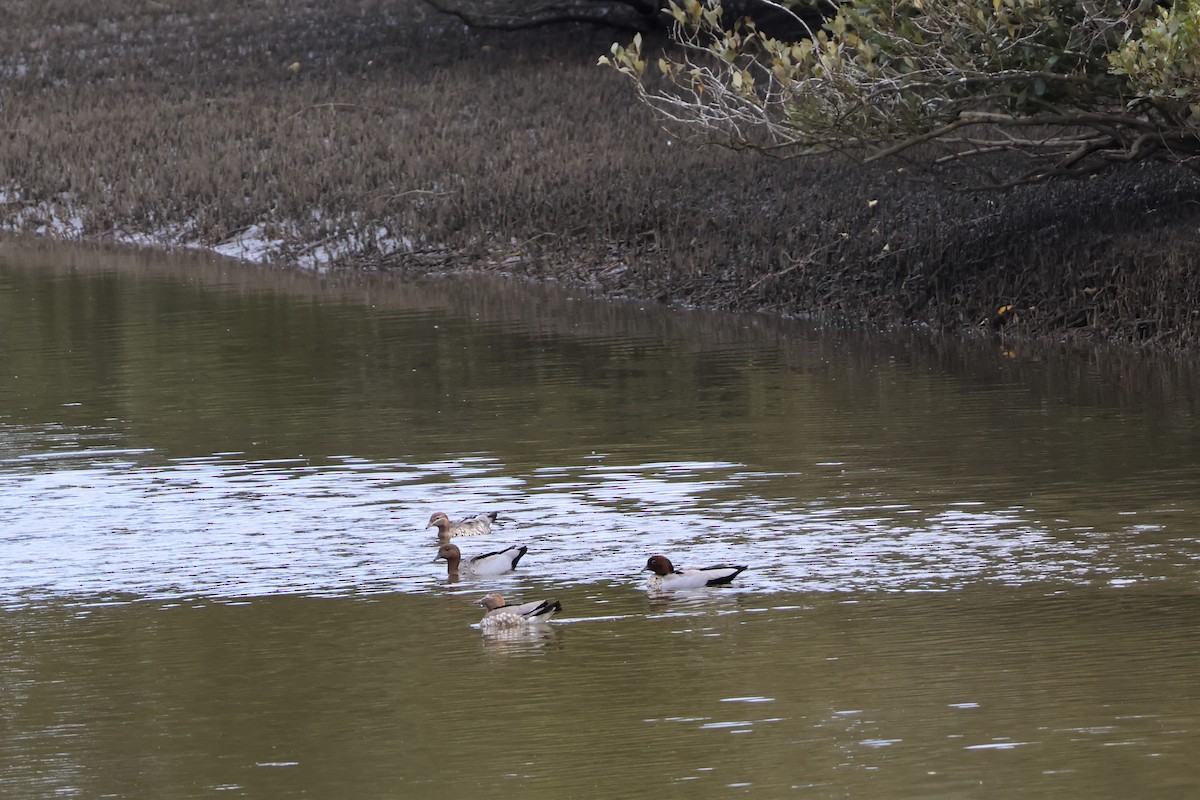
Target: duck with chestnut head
486 565
666 577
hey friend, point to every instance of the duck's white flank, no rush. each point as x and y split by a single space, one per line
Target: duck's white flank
499 614
482 566
665 576
478 525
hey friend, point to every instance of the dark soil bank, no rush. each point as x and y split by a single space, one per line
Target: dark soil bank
384 136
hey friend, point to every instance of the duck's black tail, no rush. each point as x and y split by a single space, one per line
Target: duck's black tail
724 579
546 608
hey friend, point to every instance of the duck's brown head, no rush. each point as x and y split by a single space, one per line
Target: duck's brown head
659 565
490 601
450 553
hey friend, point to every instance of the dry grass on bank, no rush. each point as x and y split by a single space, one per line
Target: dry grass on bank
365 132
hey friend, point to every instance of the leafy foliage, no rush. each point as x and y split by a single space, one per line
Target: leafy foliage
1078 85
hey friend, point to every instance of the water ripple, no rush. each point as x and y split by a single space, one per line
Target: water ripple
101 525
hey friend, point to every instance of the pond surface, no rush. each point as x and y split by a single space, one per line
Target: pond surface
973 569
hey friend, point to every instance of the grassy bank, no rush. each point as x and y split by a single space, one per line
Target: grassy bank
378 135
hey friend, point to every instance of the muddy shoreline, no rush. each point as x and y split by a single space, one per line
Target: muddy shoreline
379 136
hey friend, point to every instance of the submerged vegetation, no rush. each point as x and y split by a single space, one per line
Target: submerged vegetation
383 135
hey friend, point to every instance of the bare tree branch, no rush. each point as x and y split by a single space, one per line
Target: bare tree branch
1079 85
512 15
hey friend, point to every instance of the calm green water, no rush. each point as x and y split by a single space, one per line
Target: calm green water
974 570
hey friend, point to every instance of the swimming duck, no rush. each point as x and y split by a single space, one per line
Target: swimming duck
499 614
667 577
471 526
483 566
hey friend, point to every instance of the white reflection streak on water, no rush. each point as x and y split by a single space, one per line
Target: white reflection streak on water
225 527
